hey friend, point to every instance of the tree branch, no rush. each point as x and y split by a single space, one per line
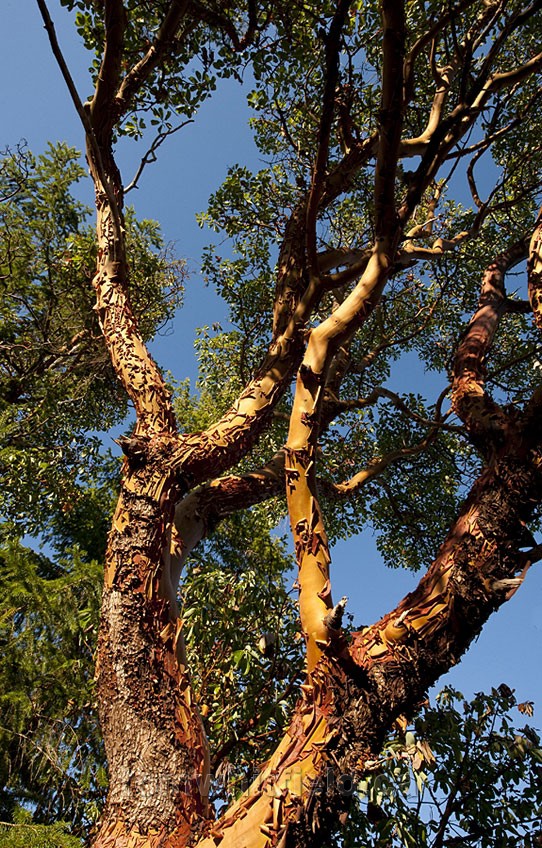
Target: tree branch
83 115
534 272
391 117
332 43
141 71
150 155
484 419
101 112
222 22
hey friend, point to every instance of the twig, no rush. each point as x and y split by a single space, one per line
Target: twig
150 155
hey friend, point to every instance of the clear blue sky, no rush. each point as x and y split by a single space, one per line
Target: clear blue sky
34 105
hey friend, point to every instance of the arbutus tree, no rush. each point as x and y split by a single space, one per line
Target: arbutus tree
350 248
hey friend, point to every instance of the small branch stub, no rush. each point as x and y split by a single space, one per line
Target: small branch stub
334 619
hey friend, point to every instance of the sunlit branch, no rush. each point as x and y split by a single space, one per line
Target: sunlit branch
499 40
306 519
204 455
416 146
456 125
375 467
378 465
410 251
534 272
339 257
505 79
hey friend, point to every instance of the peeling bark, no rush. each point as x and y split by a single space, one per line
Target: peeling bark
154 737
486 421
309 536
155 742
534 271
353 696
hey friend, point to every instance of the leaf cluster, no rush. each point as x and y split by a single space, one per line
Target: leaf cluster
463 774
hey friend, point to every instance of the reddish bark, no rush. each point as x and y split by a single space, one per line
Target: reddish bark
154 738
485 420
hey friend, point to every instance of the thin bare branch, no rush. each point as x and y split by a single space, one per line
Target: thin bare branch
150 155
506 79
416 146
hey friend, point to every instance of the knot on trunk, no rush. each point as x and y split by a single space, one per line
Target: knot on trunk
135 448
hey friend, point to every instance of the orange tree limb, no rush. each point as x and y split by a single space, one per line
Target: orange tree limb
310 540
534 272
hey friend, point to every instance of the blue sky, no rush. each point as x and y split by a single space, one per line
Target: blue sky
34 105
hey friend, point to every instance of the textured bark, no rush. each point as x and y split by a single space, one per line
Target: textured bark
354 692
154 738
535 272
309 535
485 420
155 743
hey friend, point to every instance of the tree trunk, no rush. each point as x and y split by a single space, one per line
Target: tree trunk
354 690
155 743
155 746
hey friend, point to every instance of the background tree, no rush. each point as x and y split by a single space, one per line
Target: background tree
52 764
345 257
